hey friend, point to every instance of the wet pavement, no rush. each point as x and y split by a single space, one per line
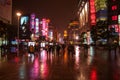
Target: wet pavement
86 64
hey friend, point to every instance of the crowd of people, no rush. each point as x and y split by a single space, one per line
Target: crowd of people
59 49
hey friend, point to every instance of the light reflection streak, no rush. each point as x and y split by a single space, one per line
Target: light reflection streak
118 62
0 56
93 74
77 52
31 57
36 67
3 59
83 75
50 57
90 55
22 71
17 59
43 56
43 66
28 55
34 71
65 55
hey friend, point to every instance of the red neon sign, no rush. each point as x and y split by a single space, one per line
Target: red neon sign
114 7
114 18
92 12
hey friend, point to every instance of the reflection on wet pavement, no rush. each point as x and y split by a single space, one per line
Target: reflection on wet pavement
97 64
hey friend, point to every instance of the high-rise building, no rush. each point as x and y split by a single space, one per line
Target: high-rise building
83 14
114 20
91 13
6 11
87 18
72 31
45 25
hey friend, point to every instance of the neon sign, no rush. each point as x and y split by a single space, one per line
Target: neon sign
32 21
92 12
37 27
45 27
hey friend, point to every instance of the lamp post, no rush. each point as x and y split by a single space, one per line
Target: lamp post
18 15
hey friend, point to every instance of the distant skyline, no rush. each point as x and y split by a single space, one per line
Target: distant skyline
60 12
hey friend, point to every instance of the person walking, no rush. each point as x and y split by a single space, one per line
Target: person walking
58 49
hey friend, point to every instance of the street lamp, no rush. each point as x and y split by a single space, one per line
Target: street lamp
18 15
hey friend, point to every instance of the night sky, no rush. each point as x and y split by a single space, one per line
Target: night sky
60 12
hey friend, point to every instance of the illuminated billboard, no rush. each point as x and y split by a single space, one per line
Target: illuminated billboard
24 27
101 10
24 20
50 35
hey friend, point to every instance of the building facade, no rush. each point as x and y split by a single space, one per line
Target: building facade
114 20
5 24
72 33
6 11
93 19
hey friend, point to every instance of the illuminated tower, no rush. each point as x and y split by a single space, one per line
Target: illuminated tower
36 27
32 22
50 33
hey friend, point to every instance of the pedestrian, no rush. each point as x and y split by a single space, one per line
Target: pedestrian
47 48
115 48
58 49
37 48
71 49
31 49
63 48
85 50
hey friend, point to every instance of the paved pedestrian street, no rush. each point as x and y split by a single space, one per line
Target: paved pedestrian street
86 64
